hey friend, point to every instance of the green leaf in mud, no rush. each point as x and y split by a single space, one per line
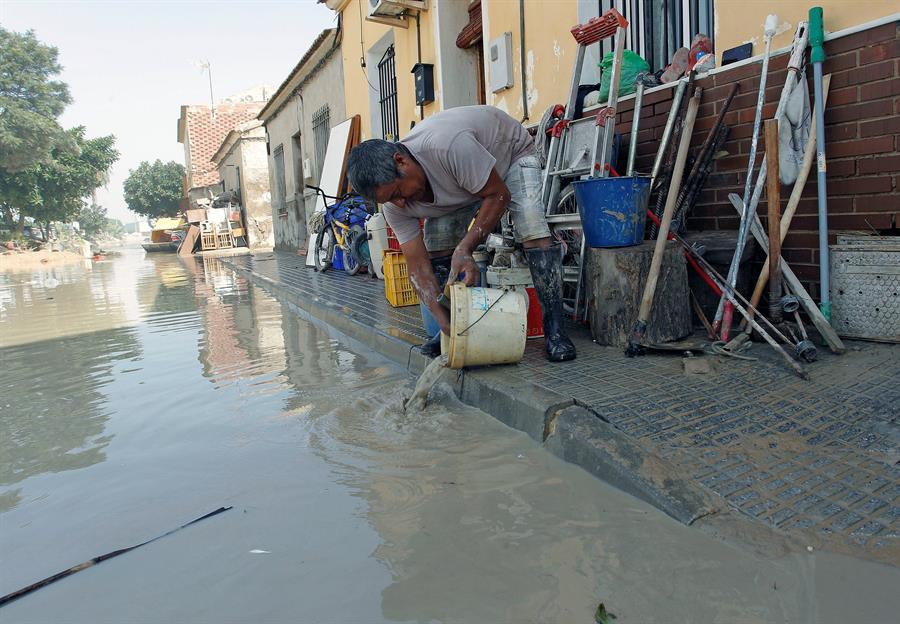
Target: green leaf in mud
602 616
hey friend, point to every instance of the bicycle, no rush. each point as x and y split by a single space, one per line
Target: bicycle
344 227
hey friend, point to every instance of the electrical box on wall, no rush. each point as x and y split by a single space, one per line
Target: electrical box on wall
500 55
307 169
424 77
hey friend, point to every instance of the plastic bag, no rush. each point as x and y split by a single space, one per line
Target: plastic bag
632 65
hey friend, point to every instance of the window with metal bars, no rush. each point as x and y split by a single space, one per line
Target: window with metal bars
387 96
321 125
657 28
280 192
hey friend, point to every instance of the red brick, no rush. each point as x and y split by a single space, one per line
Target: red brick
842 168
878 90
838 97
880 52
749 114
862 39
875 145
799 239
879 164
879 221
840 62
879 127
738 74
871 73
746 99
864 110
860 186
882 203
842 132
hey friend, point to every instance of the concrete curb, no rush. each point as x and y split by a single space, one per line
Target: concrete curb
572 432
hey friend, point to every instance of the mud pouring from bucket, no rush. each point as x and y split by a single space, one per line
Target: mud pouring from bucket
487 326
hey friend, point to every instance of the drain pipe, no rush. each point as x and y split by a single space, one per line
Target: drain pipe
419 57
522 57
817 57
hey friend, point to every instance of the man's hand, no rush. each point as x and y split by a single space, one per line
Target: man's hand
462 262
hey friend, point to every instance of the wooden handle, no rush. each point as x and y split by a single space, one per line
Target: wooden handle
671 200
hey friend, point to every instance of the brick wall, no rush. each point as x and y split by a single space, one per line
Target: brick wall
862 132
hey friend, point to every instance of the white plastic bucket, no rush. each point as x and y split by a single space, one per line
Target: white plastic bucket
487 326
376 226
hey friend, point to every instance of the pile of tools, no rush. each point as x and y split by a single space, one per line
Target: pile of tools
786 294
581 148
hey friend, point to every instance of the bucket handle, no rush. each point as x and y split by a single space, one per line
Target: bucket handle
496 301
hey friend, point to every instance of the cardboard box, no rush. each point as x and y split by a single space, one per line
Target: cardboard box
196 215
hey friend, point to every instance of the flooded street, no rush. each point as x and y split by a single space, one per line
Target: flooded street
142 392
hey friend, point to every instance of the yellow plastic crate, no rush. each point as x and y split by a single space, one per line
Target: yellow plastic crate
397 286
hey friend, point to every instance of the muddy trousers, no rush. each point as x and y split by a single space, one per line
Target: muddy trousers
546 273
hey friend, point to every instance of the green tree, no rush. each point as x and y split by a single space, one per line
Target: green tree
92 220
114 228
63 183
30 101
154 190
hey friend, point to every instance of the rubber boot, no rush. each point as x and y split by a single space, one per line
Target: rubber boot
441 267
546 273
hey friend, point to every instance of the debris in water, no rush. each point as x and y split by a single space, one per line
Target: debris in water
602 616
257 551
426 382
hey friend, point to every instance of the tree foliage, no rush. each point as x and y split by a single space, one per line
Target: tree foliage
92 220
55 190
30 101
155 189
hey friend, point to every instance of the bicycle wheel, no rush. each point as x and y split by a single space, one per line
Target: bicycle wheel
351 266
324 250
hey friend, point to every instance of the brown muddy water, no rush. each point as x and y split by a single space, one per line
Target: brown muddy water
141 392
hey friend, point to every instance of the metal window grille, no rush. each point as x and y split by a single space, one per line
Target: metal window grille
321 125
657 28
278 156
387 92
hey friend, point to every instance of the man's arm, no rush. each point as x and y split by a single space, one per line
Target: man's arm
495 197
423 280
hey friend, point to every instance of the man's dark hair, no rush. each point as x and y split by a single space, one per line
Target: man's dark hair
371 164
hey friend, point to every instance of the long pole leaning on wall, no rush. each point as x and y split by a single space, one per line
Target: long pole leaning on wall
522 58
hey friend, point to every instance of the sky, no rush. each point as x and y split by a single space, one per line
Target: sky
131 65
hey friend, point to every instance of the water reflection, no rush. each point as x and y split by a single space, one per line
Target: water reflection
53 415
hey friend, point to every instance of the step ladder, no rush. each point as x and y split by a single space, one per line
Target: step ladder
583 147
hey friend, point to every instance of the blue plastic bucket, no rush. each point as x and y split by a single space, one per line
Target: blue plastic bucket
613 210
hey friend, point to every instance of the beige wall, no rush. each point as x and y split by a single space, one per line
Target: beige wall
549 52
358 93
255 196
741 21
291 127
249 153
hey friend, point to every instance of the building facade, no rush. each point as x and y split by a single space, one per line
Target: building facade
201 130
243 170
526 55
297 121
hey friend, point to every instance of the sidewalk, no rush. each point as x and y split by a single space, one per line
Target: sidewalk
749 450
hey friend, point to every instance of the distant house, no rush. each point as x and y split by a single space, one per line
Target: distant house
243 170
298 119
201 130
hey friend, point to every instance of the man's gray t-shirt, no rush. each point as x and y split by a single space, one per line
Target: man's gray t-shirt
457 149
